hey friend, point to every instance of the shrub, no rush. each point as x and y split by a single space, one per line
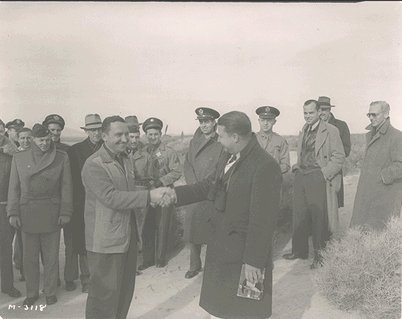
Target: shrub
362 272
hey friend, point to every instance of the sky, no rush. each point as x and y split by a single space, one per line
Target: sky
166 59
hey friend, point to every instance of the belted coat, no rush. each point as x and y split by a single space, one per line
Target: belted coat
40 192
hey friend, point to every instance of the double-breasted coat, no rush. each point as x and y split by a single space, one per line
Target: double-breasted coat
78 154
40 192
200 163
347 146
330 157
246 201
379 191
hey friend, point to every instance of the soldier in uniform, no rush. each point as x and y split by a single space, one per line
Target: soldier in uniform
78 154
200 163
146 168
157 222
39 202
13 127
55 124
271 142
327 116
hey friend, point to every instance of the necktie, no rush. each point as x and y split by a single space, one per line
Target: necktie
230 163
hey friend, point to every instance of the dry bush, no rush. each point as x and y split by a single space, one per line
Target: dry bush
362 272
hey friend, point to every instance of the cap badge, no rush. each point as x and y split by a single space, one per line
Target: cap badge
151 120
56 118
267 109
201 111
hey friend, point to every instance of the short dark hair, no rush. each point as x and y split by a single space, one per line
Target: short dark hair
24 129
235 122
109 120
312 101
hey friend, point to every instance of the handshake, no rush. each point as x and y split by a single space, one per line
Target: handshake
162 196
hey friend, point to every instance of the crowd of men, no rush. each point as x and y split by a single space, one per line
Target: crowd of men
111 194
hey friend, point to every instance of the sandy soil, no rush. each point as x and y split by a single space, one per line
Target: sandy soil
164 293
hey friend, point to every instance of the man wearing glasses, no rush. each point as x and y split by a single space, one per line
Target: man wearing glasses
379 190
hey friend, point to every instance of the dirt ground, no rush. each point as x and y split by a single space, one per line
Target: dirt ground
164 293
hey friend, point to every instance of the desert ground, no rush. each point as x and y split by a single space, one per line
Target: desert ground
165 293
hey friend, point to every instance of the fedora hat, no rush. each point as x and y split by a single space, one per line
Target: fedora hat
324 101
92 121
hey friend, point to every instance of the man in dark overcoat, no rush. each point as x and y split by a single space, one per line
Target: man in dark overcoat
245 194
326 115
78 154
7 232
379 191
200 163
40 202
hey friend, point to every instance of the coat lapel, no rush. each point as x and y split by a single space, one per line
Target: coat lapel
45 160
321 137
381 131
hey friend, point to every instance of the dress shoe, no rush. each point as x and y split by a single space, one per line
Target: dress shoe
70 285
160 264
191 273
292 256
13 292
144 266
50 300
29 301
85 288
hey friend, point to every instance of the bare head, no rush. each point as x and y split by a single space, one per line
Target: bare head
378 112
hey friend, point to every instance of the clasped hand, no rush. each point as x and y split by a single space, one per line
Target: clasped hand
162 196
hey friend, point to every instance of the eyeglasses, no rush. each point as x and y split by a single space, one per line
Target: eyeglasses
373 114
204 121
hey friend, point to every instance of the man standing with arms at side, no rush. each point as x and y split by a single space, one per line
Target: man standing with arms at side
379 191
78 154
200 163
326 115
320 157
245 193
55 124
158 219
271 142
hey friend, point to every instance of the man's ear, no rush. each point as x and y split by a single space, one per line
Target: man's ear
104 137
236 137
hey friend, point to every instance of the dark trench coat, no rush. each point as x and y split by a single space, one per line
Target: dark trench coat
246 201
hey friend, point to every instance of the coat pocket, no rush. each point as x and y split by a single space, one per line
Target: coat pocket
232 247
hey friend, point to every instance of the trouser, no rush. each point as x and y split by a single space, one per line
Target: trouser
72 258
195 256
309 212
6 247
112 283
48 244
155 235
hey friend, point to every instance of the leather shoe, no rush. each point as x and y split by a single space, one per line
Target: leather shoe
70 285
29 301
161 264
292 256
144 266
191 273
13 292
50 300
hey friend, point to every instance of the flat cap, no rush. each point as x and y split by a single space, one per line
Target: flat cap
17 124
54 118
152 122
39 130
206 113
267 112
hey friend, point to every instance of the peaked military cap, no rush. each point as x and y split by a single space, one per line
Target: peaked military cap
324 101
17 124
152 122
40 130
54 118
206 113
267 112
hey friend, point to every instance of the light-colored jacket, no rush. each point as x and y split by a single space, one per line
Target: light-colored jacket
109 202
330 157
